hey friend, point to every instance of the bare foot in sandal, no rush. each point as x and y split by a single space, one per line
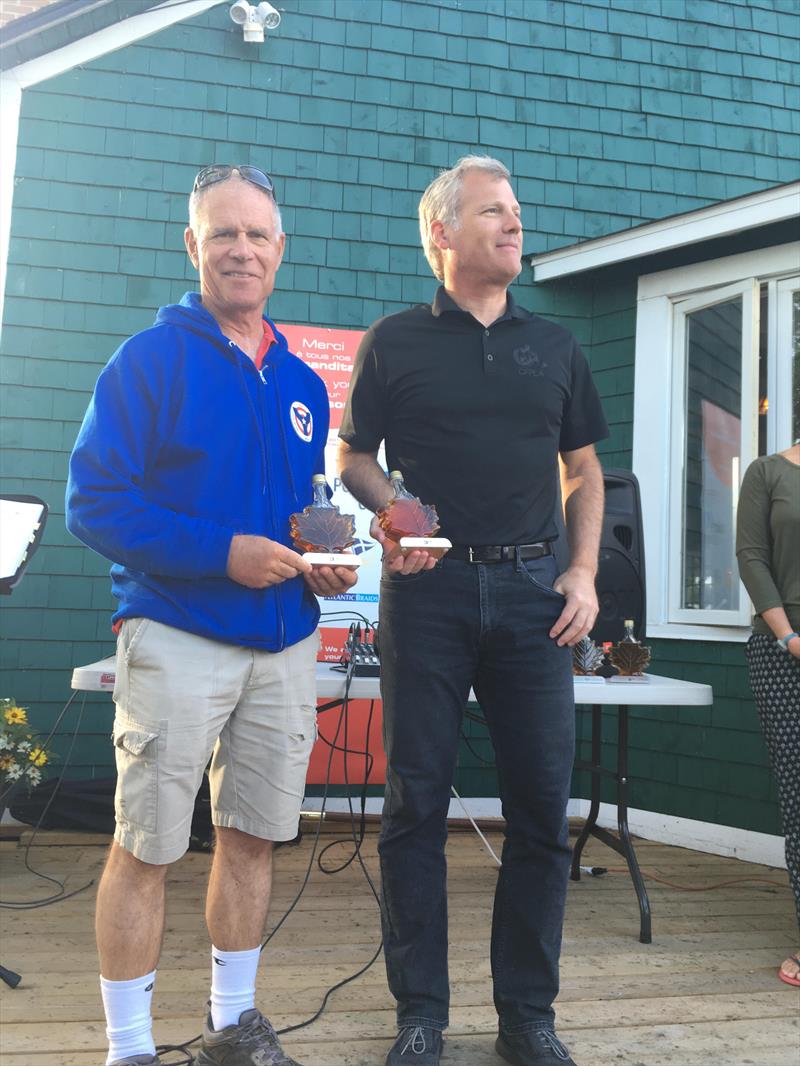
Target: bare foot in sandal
790 970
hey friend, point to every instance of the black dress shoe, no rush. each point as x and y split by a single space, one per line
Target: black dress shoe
538 1047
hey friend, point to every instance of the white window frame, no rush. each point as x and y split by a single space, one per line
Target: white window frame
663 301
748 292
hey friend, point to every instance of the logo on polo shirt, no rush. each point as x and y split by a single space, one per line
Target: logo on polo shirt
302 421
530 363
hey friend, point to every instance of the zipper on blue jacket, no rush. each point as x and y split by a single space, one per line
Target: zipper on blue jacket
263 394
266 396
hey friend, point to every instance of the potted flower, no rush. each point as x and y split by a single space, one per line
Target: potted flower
22 757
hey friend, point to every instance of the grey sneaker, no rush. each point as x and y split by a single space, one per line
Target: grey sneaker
538 1047
416 1045
138 1060
253 1042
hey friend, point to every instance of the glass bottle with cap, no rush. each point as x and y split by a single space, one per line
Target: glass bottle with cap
321 532
411 523
629 637
319 493
399 486
629 656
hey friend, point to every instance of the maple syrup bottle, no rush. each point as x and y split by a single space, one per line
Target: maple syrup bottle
409 522
319 491
606 669
321 532
400 490
629 638
398 516
629 656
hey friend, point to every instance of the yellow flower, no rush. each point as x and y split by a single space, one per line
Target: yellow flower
38 756
15 715
6 761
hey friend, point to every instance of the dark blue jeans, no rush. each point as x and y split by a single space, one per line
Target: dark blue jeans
442 631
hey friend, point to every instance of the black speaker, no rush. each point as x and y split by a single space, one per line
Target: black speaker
620 575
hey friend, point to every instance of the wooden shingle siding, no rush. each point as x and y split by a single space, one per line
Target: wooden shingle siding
608 114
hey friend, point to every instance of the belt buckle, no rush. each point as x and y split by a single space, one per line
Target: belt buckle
471 559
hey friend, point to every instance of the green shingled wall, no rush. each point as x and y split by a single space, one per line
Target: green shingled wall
608 112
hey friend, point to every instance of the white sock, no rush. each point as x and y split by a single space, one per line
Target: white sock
129 1024
233 985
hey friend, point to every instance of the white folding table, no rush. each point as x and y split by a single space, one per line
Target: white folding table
654 692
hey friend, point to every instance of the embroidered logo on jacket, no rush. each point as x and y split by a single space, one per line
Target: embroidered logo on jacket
302 421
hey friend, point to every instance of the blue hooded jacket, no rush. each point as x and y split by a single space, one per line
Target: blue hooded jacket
184 444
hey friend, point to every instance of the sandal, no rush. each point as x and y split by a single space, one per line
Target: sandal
788 978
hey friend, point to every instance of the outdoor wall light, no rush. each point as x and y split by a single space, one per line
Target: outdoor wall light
254 19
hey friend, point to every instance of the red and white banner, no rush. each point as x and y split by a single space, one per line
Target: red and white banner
331 353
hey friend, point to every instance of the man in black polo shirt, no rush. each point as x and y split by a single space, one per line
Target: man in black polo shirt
475 399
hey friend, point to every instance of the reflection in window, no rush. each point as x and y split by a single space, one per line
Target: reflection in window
796 365
713 449
763 390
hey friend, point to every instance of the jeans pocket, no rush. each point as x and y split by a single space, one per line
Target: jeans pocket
541 573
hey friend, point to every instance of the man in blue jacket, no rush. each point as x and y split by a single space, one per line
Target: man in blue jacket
200 440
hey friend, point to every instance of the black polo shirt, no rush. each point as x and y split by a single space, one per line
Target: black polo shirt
474 417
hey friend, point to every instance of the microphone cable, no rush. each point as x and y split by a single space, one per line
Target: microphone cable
358 837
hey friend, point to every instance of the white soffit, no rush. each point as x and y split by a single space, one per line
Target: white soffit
16 79
780 204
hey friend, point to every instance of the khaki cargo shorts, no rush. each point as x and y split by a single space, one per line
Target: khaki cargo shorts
182 700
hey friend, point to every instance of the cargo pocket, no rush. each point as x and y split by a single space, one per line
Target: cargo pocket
302 725
136 749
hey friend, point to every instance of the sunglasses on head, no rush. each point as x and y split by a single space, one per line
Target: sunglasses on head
222 171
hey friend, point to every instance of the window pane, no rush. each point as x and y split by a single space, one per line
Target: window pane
714 405
763 362
795 365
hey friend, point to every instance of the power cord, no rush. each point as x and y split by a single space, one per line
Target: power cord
369 761
486 843
357 841
598 871
342 724
21 905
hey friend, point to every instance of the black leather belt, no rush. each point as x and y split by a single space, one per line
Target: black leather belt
499 553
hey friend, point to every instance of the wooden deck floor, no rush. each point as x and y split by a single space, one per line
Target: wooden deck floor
705 991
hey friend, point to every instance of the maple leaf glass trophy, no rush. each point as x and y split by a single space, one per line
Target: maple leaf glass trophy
411 523
321 532
629 657
586 659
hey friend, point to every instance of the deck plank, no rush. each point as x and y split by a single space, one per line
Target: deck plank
704 990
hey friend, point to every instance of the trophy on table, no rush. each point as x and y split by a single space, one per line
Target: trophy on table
629 656
586 659
411 523
321 532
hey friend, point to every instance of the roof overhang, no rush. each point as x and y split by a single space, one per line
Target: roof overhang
779 204
15 80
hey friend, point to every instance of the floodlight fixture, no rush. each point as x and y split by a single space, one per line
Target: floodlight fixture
255 19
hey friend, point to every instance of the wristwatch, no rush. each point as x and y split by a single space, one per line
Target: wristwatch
783 642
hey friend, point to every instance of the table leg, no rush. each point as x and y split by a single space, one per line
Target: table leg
594 808
11 979
645 932
329 705
620 843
